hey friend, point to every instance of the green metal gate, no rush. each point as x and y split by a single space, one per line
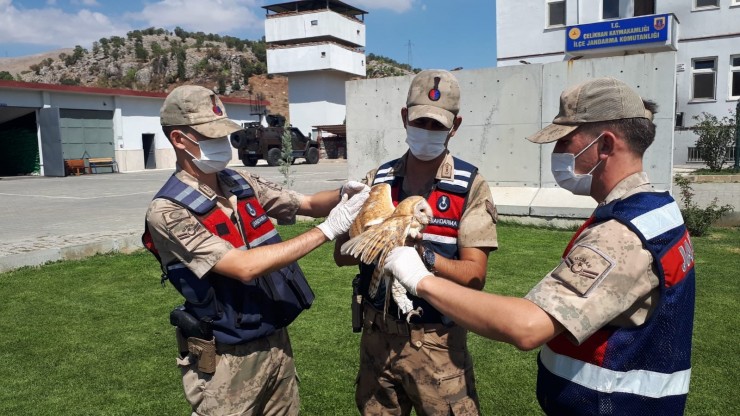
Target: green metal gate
86 133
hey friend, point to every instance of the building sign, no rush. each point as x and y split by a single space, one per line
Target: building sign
620 34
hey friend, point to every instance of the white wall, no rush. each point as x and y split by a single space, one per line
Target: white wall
316 99
318 57
328 23
500 107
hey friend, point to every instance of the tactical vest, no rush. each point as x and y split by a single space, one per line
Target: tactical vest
241 312
643 370
448 200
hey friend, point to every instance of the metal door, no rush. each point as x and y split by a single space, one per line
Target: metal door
147 141
52 161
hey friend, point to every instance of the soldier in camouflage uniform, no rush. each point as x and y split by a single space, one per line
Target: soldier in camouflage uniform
614 318
209 227
425 364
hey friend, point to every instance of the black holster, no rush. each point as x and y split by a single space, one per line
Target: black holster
195 338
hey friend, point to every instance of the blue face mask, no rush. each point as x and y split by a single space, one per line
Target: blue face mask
426 144
563 166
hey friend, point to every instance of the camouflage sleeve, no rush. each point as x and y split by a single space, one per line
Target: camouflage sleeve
606 278
281 204
178 235
478 223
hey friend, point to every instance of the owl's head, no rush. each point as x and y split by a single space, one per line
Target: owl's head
417 207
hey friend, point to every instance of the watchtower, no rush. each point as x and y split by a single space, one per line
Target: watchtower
318 45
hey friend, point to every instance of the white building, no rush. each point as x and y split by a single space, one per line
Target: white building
318 44
705 34
42 125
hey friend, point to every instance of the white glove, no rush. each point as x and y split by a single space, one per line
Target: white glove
352 187
340 218
406 266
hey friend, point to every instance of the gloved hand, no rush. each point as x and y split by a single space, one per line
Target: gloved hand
406 266
352 187
340 218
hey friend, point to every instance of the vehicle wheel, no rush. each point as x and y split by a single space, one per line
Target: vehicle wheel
273 156
250 161
312 155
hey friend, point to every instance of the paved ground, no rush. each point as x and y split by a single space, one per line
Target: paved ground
46 219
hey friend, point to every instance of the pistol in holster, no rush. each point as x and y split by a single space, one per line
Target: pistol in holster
195 338
356 305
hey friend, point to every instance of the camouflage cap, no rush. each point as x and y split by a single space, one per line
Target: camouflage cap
199 108
434 94
600 99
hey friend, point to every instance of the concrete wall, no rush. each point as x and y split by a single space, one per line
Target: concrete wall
316 99
328 23
500 107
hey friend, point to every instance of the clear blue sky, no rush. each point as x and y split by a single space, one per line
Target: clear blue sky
442 33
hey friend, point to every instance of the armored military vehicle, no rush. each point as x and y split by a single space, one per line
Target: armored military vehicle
263 140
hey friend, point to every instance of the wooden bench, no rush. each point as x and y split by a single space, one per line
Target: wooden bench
74 167
102 162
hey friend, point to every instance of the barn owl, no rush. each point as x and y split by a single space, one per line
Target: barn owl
378 228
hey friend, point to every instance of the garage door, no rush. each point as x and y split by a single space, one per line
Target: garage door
86 133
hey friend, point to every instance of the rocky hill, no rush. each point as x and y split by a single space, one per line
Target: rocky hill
159 60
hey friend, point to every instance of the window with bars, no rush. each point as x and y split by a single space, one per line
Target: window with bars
555 13
701 4
734 76
704 74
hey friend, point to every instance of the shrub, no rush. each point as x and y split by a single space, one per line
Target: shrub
715 136
697 219
286 156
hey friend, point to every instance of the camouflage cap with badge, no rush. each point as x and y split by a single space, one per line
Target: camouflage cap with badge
199 108
434 94
599 99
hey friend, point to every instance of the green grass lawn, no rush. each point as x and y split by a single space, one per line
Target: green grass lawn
92 337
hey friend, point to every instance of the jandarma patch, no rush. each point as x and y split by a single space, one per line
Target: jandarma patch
216 109
583 269
434 94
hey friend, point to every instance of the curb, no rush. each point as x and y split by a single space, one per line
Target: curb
125 244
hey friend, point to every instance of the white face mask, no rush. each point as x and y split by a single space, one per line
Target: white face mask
426 144
563 166
215 154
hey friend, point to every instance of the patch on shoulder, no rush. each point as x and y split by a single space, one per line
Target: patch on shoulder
185 228
207 191
492 211
583 269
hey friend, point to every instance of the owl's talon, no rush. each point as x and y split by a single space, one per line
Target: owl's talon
416 312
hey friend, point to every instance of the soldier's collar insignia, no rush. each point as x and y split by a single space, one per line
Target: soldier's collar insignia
206 191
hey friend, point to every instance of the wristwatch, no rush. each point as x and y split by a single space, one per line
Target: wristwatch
428 257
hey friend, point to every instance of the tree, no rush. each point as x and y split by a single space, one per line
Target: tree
715 137
286 156
6 76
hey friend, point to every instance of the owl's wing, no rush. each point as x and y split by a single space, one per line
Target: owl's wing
377 207
374 243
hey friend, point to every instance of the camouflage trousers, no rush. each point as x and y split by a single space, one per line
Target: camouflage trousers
256 378
426 367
